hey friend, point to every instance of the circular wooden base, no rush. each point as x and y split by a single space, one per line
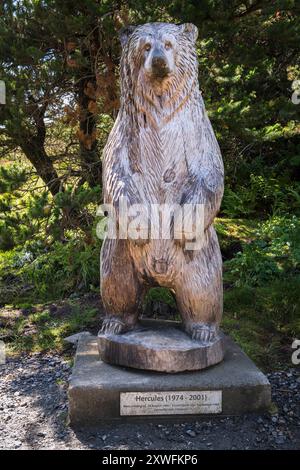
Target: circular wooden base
159 346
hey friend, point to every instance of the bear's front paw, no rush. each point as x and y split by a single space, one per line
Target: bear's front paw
181 238
189 243
203 332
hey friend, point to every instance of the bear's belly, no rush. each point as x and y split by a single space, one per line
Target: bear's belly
158 261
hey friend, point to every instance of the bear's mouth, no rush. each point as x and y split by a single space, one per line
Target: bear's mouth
160 73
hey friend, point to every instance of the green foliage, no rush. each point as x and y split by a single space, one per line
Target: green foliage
65 268
83 196
160 294
261 286
261 195
11 178
264 320
273 254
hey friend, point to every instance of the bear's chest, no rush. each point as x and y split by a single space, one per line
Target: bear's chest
164 163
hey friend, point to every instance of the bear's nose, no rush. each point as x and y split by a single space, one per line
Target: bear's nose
159 65
159 61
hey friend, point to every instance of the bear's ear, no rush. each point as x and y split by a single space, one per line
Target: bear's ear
125 33
190 30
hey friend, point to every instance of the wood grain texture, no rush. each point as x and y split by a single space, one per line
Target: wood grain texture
162 150
160 346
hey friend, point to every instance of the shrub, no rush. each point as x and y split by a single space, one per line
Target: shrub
274 253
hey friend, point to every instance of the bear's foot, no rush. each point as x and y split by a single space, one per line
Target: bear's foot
202 332
113 326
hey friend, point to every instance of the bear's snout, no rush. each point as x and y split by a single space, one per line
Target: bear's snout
159 65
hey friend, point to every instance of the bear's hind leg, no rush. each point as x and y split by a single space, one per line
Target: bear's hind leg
121 290
199 291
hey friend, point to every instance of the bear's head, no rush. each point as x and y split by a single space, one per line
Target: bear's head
158 58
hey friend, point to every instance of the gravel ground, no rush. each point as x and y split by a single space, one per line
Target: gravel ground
33 415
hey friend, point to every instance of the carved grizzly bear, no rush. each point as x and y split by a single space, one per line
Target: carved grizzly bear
162 150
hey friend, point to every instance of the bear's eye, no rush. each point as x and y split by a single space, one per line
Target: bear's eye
147 47
168 45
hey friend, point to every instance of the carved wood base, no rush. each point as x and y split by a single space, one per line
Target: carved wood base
161 346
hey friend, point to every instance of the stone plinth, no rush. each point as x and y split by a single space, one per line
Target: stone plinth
97 390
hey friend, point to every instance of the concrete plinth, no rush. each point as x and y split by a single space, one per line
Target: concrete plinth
96 390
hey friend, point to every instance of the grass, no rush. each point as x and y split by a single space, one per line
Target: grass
264 320
37 328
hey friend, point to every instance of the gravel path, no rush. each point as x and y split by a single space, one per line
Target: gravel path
33 415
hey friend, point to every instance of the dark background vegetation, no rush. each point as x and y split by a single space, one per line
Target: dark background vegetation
60 62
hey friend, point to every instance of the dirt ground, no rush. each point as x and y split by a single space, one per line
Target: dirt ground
34 415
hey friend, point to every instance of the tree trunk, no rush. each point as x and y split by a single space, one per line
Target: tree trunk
43 165
87 100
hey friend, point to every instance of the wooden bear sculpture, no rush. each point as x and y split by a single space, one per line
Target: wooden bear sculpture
162 150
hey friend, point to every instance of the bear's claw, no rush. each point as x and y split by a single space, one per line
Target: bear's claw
203 332
112 326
